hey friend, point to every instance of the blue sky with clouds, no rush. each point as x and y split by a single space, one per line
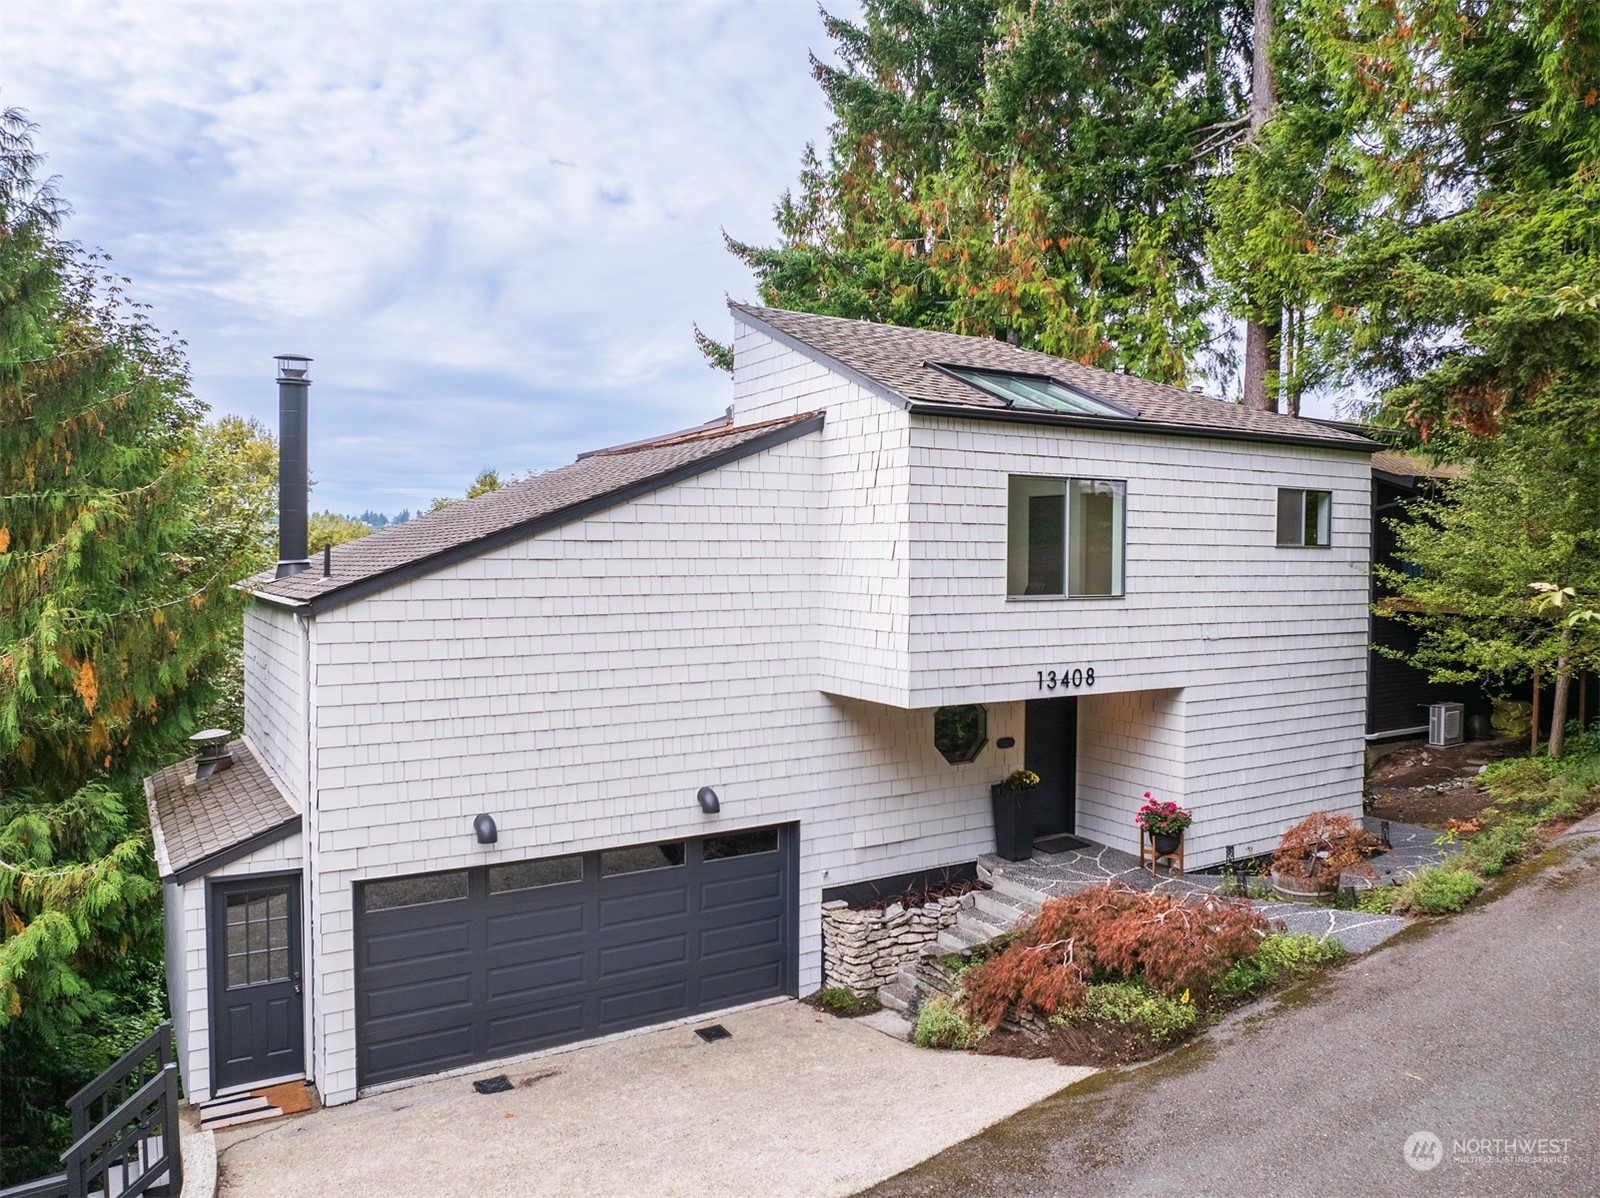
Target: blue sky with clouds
491 225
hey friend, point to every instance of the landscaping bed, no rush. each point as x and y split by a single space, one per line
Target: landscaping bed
1111 976
1429 787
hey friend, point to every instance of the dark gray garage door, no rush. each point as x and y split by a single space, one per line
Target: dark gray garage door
474 964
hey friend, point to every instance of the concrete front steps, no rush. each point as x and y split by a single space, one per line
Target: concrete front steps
252 1106
984 915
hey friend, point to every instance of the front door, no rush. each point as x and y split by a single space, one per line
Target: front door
1050 749
257 1029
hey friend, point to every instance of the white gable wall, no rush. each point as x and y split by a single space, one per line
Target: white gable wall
863 485
582 685
275 693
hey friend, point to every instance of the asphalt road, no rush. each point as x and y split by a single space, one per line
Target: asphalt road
1478 1030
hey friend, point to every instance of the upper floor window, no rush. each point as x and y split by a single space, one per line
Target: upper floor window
1305 517
1065 537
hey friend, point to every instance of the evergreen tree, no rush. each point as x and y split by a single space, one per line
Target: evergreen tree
1031 171
1499 566
1424 208
114 605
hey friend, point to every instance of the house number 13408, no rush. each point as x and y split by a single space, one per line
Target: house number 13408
1050 680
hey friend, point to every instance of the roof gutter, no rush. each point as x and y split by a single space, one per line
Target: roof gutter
1141 425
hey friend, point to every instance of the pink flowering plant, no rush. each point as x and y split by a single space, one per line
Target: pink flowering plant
1163 818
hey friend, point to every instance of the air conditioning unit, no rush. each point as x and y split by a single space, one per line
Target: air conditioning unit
1445 721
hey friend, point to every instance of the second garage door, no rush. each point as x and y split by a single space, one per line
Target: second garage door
474 964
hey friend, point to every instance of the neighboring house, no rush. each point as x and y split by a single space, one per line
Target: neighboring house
692 682
1399 694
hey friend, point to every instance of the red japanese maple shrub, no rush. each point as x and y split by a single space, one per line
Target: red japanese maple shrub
1172 942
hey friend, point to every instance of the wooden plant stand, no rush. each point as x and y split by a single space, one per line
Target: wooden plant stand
1147 850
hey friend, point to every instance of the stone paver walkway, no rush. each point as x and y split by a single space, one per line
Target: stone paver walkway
1412 849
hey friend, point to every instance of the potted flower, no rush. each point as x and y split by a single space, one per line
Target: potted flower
1165 821
1013 827
1314 853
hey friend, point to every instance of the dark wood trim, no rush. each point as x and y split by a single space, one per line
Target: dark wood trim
1141 426
215 861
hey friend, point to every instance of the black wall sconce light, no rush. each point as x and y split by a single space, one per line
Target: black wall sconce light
484 827
709 803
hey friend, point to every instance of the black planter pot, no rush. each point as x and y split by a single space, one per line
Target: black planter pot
1166 845
1013 829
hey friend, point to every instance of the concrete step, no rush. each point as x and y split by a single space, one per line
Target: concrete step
236 1104
959 936
899 995
270 1112
1009 887
997 906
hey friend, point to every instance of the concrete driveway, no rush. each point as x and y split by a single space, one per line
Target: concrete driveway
796 1103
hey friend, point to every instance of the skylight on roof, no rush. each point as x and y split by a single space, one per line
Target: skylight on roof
1039 393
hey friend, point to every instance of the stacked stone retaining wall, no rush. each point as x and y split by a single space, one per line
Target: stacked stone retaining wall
863 950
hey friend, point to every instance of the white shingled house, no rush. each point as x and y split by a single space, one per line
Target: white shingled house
582 755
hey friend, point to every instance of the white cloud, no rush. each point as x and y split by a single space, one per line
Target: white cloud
491 225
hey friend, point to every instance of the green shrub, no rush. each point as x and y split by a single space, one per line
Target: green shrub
1442 890
1282 956
1376 900
1495 849
1134 1003
942 1024
847 1004
1516 778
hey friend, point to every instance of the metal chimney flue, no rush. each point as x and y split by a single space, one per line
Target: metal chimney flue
294 480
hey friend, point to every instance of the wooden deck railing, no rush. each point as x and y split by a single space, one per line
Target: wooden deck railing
124 1131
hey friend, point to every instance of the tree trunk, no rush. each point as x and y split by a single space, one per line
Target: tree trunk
1558 697
1261 337
1259 342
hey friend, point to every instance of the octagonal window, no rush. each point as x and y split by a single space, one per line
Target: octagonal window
959 733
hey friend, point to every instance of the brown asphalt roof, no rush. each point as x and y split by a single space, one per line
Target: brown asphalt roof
895 360
195 821
1411 465
523 508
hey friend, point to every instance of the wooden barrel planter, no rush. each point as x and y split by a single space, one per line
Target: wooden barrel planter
1296 888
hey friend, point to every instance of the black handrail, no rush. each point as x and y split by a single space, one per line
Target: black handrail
131 1070
125 1136
54 1186
134 1150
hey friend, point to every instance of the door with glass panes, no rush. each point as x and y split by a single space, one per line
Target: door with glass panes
257 1029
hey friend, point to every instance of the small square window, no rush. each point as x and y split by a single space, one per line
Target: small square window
1065 537
1305 518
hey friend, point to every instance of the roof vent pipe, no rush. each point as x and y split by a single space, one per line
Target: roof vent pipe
212 756
294 499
